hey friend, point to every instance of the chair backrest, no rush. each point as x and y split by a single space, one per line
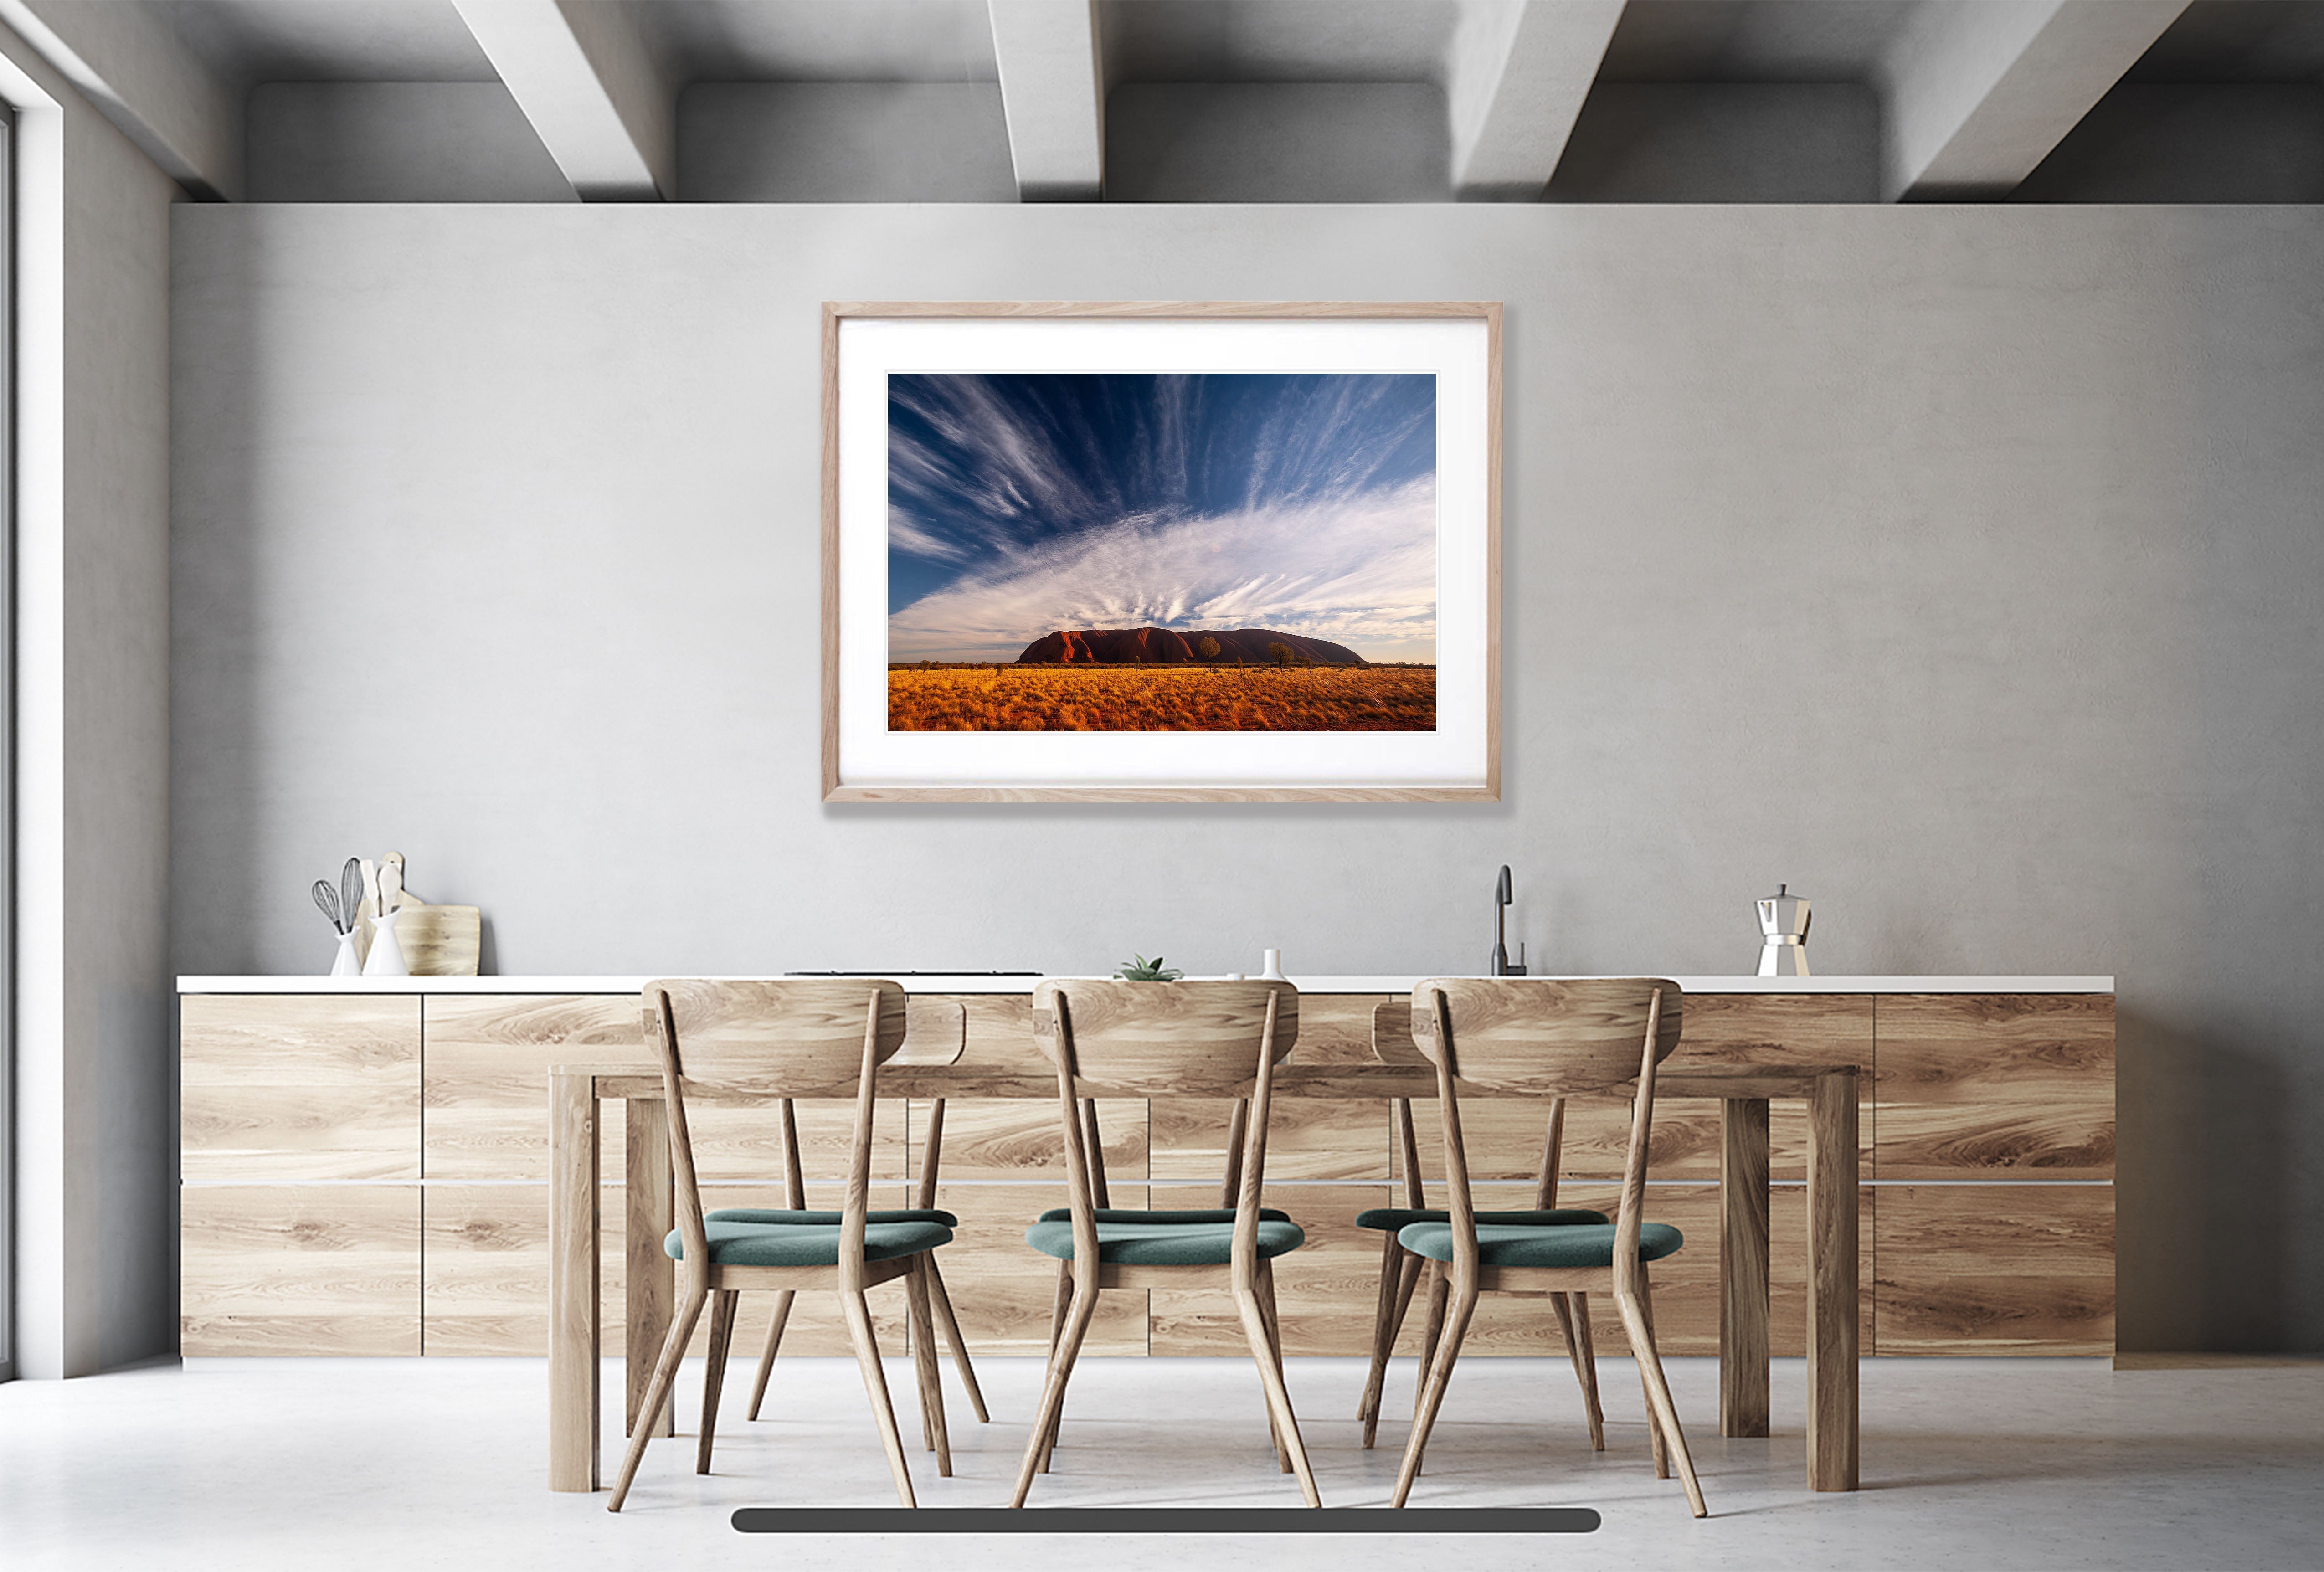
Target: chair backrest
804 1036
1161 1039
1393 1044
1546 1037
802 1033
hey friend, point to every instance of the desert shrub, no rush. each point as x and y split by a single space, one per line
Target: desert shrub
1169 698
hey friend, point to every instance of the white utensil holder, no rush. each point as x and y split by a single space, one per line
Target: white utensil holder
345 963
386 957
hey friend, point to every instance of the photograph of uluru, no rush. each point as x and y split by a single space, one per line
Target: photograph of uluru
1134 552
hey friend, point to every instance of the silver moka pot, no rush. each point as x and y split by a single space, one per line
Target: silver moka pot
1784 926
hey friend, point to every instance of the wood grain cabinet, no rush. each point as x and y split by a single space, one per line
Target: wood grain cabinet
300 1165
1995 1149
366 1174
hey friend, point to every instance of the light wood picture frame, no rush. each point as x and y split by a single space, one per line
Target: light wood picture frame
990 506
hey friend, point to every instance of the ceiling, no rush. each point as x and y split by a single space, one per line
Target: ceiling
1945 100
815 41
2239 41
1754 40
252 41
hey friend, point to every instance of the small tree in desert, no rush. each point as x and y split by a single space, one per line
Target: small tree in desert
1279 653
1207 647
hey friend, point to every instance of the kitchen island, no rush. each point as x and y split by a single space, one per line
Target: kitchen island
365 1166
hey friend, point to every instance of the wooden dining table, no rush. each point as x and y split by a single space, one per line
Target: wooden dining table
577 1094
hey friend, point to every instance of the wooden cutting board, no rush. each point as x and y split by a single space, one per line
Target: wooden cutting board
436 940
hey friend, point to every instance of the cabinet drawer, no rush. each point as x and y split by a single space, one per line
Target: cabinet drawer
1995 1084
300 1269
282 1087
1995 1269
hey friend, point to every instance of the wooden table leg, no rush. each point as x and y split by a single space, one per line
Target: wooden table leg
1832 1268
573 1282
1743 1267
652 1276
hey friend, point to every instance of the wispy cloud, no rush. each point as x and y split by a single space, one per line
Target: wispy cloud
1357 569
906 534
1023 503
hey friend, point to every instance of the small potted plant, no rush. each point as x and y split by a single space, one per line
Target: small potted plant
1137 968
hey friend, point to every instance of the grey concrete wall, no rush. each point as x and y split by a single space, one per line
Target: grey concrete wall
1723 141
1957 566
117 727
1277 141
395 141
2195 141
95 1176
843 141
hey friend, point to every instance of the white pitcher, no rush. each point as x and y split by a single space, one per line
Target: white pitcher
386 957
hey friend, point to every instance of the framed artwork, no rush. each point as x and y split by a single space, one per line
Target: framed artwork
1161 551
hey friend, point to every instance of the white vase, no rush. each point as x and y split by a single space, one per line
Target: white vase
386 957
345 964
1273 972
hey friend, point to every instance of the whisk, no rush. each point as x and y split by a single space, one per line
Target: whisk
326 901
339 905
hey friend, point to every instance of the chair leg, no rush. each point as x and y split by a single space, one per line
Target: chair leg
1408 1275
1079 1313
714 1371
1383 1337
950 1323
767 1358
1265 1279
1439 1378
1439 1283
1256 1306
924 1366
1641 1329
665 1372
1581 1343
1057 1332
1654 1422
875 1386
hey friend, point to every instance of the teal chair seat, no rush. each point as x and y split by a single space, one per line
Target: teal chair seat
827 1220
1205 1215
1501 1245
734 1244
1396 1219
1127 1238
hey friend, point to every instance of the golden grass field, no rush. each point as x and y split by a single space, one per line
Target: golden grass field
1162 698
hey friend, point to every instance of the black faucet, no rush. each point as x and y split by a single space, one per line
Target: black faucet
1501 899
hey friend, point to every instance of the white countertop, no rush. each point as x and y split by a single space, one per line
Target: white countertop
989 984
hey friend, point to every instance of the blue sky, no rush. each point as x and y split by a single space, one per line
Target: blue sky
1022 503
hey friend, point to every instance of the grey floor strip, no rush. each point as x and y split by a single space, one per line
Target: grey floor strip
1192 1520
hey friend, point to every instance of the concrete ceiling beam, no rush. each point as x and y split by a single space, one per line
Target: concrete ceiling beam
128 60
1515 85
1980 91
1053 91
598 98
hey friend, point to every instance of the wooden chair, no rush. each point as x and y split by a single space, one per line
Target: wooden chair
1093 1150
1548 1039
795 1039
794 1211
1166 1039
1401 1271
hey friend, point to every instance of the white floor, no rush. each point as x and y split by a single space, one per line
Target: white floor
254 1465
